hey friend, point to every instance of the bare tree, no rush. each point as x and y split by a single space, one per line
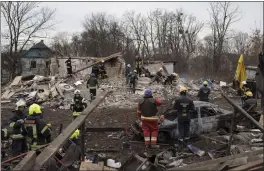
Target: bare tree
222 17
24 21
240 42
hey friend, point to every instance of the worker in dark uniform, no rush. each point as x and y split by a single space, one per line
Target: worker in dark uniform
184 106
204 92
127 72
138 65
250 101
69 66
37 130
95 70
92 84
147 111
244 90
133 79
78 103
102 71
19 142
158 76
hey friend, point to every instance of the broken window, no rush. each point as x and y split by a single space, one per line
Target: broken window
207 111
33 64
47 64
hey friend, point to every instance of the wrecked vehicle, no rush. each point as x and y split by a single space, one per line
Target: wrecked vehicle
207 117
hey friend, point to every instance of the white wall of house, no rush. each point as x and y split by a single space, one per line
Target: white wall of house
169 67
40 68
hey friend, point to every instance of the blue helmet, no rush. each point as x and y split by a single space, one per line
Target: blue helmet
148 92
93 74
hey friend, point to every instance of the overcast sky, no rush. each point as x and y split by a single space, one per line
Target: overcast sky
70 15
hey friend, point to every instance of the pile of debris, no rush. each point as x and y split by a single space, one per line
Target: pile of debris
36 89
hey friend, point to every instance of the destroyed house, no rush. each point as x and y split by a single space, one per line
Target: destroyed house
168 62
36 61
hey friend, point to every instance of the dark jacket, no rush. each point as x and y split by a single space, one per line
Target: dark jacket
78 104
35 123
95 70
147 107
133 77
203 94
159 74
248 103
128 70
68 63
184 106
92 83
16 123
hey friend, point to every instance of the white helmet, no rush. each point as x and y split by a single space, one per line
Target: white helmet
174 74
20 103
244 82
128 65
161 69
77 92
135 71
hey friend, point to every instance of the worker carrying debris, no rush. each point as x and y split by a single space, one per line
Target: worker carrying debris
250 101
16 122
92 84
127 72
183 105
172 79
133 80
147 111
102 71
204 92
78 103
138 64
69 66
37 130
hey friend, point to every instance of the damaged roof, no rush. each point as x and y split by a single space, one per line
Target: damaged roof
39 50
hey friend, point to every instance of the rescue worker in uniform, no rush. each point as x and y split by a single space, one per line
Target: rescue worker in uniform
250 101
147 111
78 104
138 64
184 106
158 76
244 90
102 70
127 72
19 142
37 130
95 70
204 92
172 79
132 79
92 84
69 66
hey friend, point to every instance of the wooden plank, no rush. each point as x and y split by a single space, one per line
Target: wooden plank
5 95
90 166
64 136
5 101
101 165
108 168
10 94
249 165
16 81
27 162
216 162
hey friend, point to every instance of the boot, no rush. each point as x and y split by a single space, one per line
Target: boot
155 146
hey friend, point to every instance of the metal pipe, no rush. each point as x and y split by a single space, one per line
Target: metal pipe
242 111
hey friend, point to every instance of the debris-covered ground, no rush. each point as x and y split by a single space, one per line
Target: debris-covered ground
118 110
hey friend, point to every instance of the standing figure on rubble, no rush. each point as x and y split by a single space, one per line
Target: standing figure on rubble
147 111
37 130
184 106
128 70
92 84
250 101
95 70
78 104
18 134
132 79
204 92
138 64
69 66
102 71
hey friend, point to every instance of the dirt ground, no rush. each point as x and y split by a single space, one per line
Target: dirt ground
100 118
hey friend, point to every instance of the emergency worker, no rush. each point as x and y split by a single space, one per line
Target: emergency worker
102 71
69 66
92 84
147 111
204 92
250 101
138 64
127 72
16 122
78 103
37 130
184 106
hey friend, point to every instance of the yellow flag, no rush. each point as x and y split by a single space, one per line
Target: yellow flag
241 70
